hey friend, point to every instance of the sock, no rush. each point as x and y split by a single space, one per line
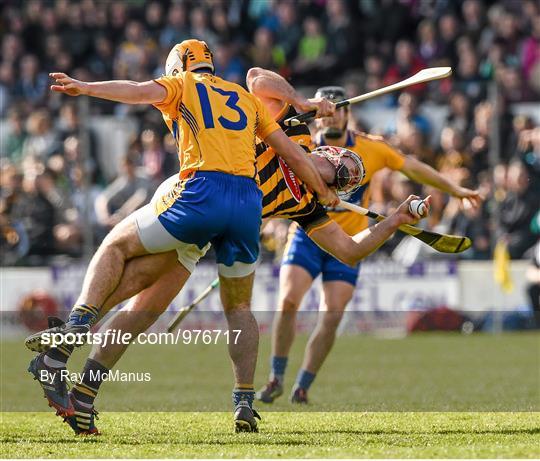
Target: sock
83 314
93 375
279 364
304 379
57 357
245 392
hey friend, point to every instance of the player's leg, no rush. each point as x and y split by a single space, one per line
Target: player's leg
301 264
139 234
101 279
339 281
168 276
237 250
335 297
140 273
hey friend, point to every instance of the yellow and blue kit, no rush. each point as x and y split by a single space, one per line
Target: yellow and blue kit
376 154
215 124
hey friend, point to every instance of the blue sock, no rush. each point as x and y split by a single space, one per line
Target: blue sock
279 365
304 379
83 314
245 392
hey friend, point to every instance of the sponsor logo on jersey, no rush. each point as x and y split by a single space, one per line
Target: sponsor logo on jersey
290 180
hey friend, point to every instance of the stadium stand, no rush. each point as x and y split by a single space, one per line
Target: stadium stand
493 97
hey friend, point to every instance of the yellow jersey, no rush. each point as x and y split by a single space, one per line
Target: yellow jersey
214 122
376 154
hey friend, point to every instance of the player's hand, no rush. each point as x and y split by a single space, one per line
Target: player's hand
328 198
323 106
67 85
403 215
468 198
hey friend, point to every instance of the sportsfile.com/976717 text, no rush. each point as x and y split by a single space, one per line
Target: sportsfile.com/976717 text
114 336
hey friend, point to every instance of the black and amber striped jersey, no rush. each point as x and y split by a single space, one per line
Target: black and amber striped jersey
284 195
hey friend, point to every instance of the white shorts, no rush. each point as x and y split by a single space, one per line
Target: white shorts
156 239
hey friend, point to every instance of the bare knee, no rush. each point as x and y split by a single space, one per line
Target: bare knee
289 304
331 320
123 240
236 293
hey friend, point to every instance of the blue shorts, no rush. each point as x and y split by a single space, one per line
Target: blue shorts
304 252
221 209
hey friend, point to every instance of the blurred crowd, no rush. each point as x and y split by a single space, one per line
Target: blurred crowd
53 198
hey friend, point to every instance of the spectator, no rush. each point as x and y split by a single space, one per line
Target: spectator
429 48
479 145
343 42
264 53
530 62
12 48
453 161
474 18
406 64
517 211
289 32
361 45
42 139
513 87
412 141
153 156
407 112
7 82
100 62
228 65
449 33
154 19
312 60
459 115
128 192
199 27
468 79
75 36
135 52
16 137
176 29
32 84
69 126
533 285
221 26
36 214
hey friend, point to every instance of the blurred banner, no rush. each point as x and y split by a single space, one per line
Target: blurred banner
382 286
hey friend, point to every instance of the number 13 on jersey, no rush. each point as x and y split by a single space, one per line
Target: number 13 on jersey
232 100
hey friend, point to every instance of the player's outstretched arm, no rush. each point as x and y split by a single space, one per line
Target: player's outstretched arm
424 174
124 91
273 90
297 160
351 250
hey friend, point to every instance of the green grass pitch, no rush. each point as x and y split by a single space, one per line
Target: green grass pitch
429 395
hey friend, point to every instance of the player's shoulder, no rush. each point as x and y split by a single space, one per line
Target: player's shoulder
373 140
227 84
360 136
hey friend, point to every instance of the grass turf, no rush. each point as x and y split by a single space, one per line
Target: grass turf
337 435
428 395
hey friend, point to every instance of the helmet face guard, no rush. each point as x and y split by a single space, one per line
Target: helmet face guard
349 168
